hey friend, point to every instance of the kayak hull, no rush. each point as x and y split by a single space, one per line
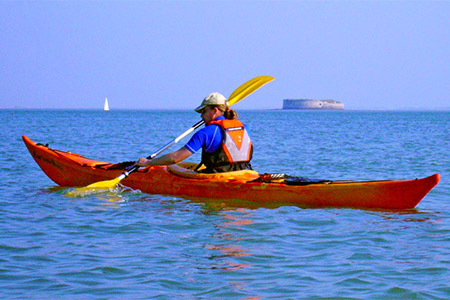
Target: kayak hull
73 170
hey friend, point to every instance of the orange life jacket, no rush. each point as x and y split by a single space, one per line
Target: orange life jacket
234 153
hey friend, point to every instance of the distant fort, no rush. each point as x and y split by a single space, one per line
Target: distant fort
312 104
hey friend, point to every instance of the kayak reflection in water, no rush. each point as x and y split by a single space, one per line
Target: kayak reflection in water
225 141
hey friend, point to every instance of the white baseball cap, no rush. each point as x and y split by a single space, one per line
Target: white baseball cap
212 99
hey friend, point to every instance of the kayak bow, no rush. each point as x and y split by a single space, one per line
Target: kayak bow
73 170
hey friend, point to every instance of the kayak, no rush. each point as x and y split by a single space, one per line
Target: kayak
69 169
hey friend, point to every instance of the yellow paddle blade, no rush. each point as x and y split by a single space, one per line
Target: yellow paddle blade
248 88
107 184
94 187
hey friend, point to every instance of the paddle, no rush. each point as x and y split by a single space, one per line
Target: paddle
239 94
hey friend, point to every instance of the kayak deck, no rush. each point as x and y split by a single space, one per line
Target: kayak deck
73 170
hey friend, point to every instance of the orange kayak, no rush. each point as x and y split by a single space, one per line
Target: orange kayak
73 170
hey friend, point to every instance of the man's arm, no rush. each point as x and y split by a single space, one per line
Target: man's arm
167 159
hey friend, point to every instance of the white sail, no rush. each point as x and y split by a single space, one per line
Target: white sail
106 107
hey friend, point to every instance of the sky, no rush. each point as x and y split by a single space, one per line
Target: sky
171 54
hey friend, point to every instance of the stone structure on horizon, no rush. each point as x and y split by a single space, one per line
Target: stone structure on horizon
312 104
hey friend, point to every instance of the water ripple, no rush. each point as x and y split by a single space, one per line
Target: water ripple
128 245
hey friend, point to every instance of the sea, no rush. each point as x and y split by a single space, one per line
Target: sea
125 244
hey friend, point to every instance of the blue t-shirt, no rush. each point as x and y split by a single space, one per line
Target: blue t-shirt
210 137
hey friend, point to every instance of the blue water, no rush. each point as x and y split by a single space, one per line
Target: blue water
131 245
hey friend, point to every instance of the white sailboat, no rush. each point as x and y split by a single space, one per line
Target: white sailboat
106 107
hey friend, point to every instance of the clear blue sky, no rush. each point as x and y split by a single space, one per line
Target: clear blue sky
171 54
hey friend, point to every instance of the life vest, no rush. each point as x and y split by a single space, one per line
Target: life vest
235 151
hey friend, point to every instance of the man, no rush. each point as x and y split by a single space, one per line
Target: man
225 142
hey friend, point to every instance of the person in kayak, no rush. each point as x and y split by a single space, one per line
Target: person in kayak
225 141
